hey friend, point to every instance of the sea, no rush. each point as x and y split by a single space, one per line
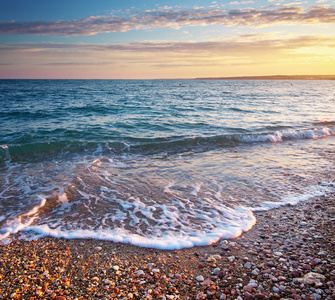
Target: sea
167 164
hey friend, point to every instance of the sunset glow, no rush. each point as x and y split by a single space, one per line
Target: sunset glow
108 39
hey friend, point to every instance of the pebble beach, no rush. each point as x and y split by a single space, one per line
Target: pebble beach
288 254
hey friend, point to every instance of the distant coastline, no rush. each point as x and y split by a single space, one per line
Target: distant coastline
276 77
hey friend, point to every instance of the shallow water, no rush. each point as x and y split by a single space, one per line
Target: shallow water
162 163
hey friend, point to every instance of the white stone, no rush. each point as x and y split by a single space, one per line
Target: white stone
255 272
150 265
140 272
200 278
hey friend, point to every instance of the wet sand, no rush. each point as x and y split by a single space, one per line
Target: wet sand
288 254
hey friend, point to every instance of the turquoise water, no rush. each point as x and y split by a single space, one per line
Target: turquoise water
159 163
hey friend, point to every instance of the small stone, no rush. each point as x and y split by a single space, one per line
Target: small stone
248 296
331 210
331 284
253 283
260 296
277 253
97 248
216 270
140 272
307 267
316 296
211 259
248 288
200 278
275 289
248 265
155 270
207 282
295 273
116 268
220 274
312 279
231 258
255 272
150 265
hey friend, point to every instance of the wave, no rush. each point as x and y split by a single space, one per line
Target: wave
147 146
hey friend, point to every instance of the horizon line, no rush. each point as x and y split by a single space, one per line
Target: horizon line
248 77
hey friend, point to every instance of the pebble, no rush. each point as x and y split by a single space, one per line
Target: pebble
247 288
253 283
316 296
312 279
255 268
255 271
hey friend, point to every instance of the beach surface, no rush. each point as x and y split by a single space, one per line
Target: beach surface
288 254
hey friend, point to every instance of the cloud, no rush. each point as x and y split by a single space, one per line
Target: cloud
240 45
173 18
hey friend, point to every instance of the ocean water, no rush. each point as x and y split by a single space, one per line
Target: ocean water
159 163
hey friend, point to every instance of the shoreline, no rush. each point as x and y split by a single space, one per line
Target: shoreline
270 261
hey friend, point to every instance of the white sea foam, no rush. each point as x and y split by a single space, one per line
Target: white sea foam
21 222
293 199
279 136
244 220
235 221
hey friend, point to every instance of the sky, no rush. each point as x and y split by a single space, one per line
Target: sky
132 39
